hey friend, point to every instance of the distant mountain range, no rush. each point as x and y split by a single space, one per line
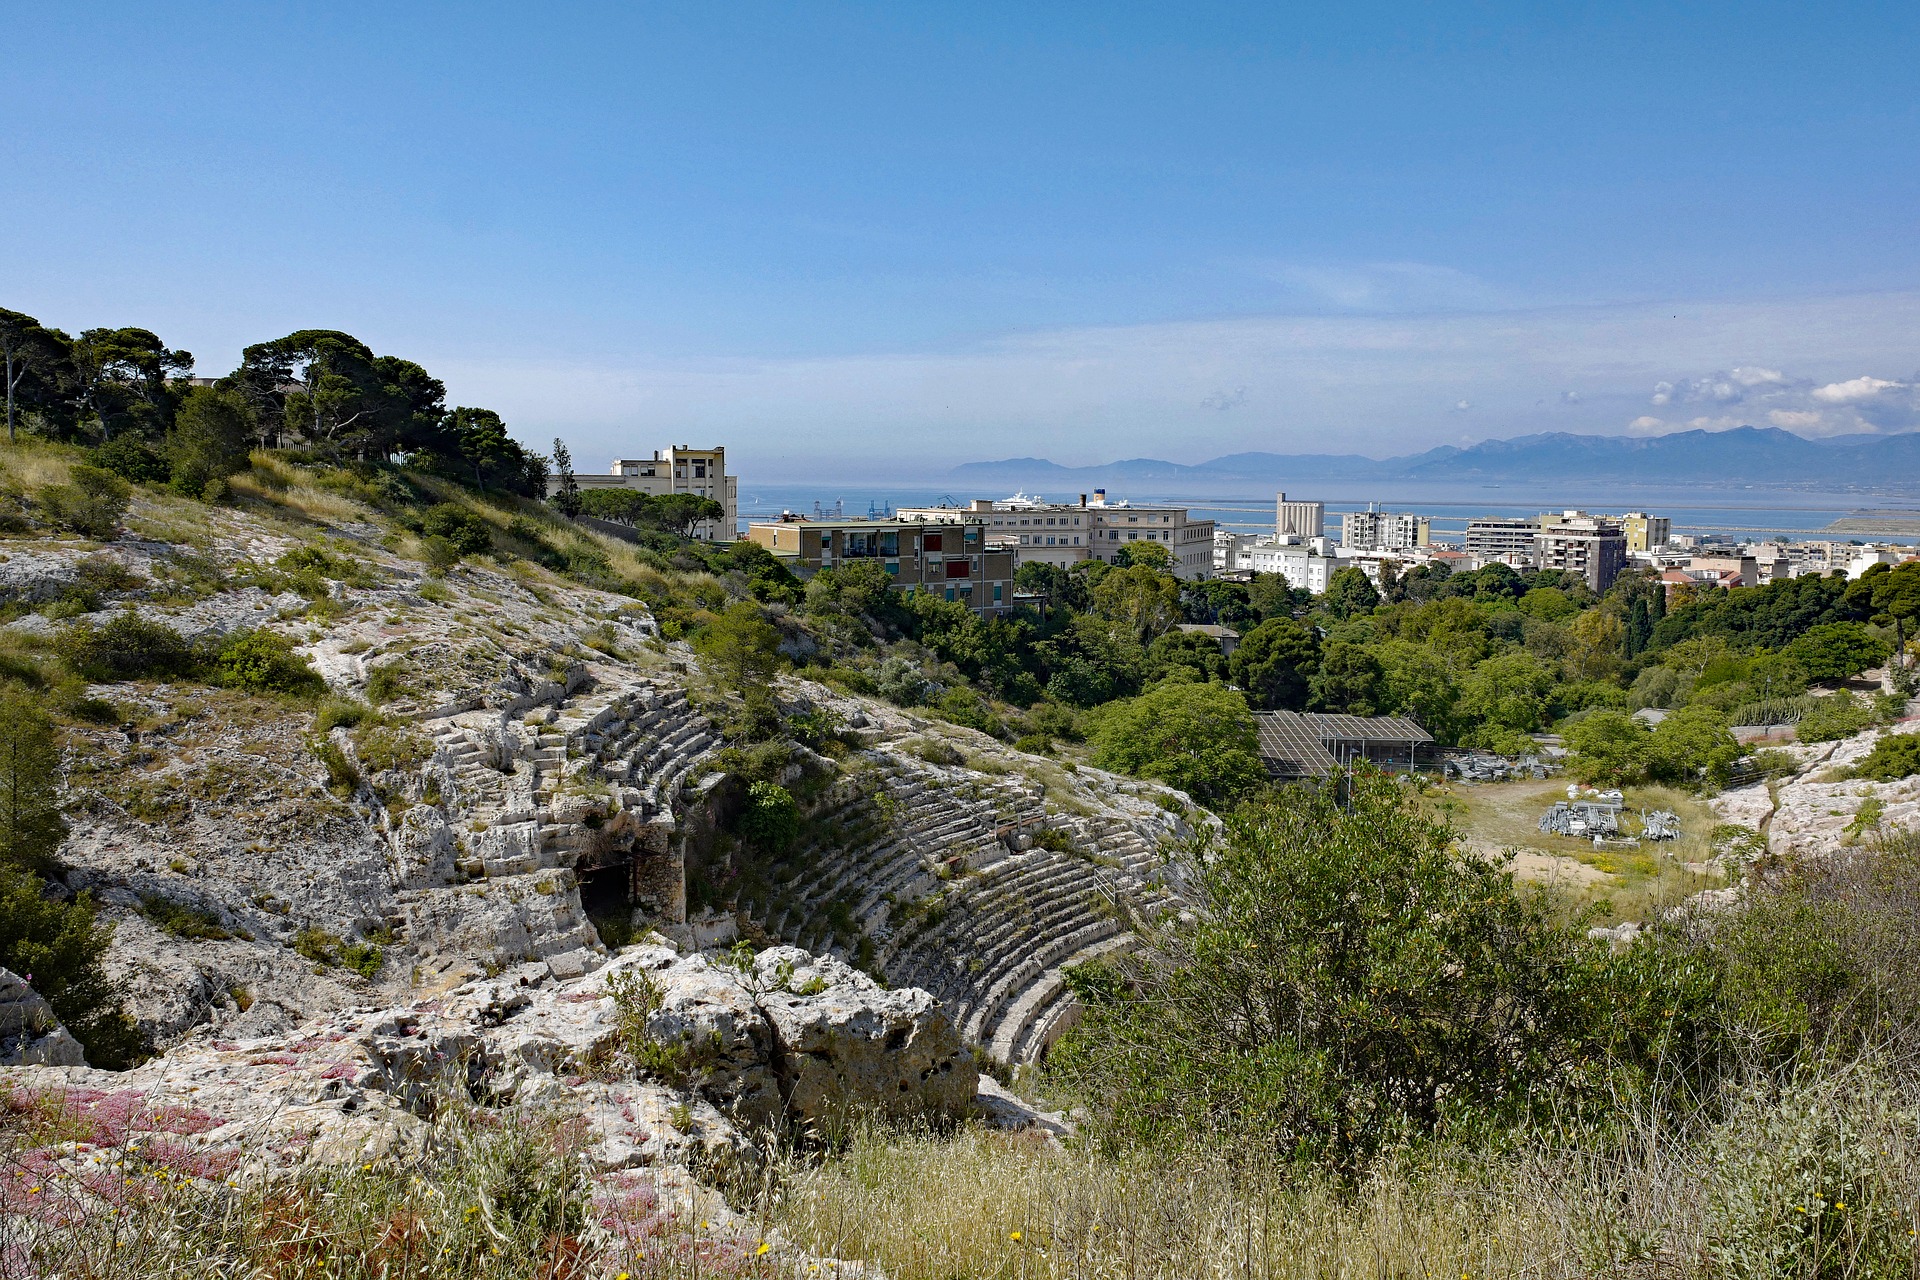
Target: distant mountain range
1743 455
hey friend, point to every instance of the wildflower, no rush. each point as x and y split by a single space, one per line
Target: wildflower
1014 1236
623 1276
763 1250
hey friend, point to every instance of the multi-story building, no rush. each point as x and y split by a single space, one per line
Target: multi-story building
1230 551
1065 533
951 558
1377 530
1509 541
1744 568
1576 542
1306 563
1299 519
679 469
1645 533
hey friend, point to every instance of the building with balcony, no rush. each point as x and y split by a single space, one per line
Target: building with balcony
1065 533
1503 539
951 558
1591 546
678 469
1376 530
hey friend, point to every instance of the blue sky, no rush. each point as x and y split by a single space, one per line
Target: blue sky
870 239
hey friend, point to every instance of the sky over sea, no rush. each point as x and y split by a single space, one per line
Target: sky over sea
877 240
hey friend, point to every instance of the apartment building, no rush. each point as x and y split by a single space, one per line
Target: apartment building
951 558
1576 542
1306 563
1509 541
1377 530
678 469
1745 569
1645 533
1065 533
1230 551
1298 518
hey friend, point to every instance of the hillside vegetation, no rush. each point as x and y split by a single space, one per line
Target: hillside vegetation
1343 1039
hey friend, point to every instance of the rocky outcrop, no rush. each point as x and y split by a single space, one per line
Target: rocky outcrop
1816 809
30 1034
659 1061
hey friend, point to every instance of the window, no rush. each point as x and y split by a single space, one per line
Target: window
996 593
888 544
949 594
699 471
956 568
826 539
930 542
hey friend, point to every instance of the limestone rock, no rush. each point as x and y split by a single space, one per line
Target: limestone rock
30 1034
846 1043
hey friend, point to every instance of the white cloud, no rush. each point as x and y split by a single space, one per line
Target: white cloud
1853 390
1329 383
1386 287
1222 400
1796 419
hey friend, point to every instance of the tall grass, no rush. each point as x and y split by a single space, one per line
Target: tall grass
1755 1193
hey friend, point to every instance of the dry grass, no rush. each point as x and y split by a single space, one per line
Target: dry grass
1647 1202
1631 884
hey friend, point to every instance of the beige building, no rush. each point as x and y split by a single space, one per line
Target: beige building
679 469
953 559
1591 546
1298 519
1064 534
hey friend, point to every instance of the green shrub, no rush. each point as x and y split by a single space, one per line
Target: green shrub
129 459
126 647
364 958
1895 756
342 777
63 947
182 920
31 827
464 531
387 683
317 945
263 662
90 504
1352 980
771 819
1840 716
340 713
383 747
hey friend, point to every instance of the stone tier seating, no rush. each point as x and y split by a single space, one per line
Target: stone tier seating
948 906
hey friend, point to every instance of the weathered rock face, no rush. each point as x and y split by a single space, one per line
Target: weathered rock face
30 1034
1803 815
844 1042
791 1036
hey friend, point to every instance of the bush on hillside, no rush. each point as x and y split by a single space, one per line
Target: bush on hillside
31 827
129 459
89 504
1830 719
1199 738
126 647
771 820
1895 756
1353 979
63 947
464 531
263 662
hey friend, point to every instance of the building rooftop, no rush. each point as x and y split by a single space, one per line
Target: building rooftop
1299 744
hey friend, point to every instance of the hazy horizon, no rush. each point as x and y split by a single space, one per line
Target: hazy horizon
849 237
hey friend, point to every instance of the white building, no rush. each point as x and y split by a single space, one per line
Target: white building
1376 530
1298 518
1306 563
680 469
1230 551
1064 533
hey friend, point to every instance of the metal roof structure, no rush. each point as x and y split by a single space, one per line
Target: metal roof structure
1306 744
